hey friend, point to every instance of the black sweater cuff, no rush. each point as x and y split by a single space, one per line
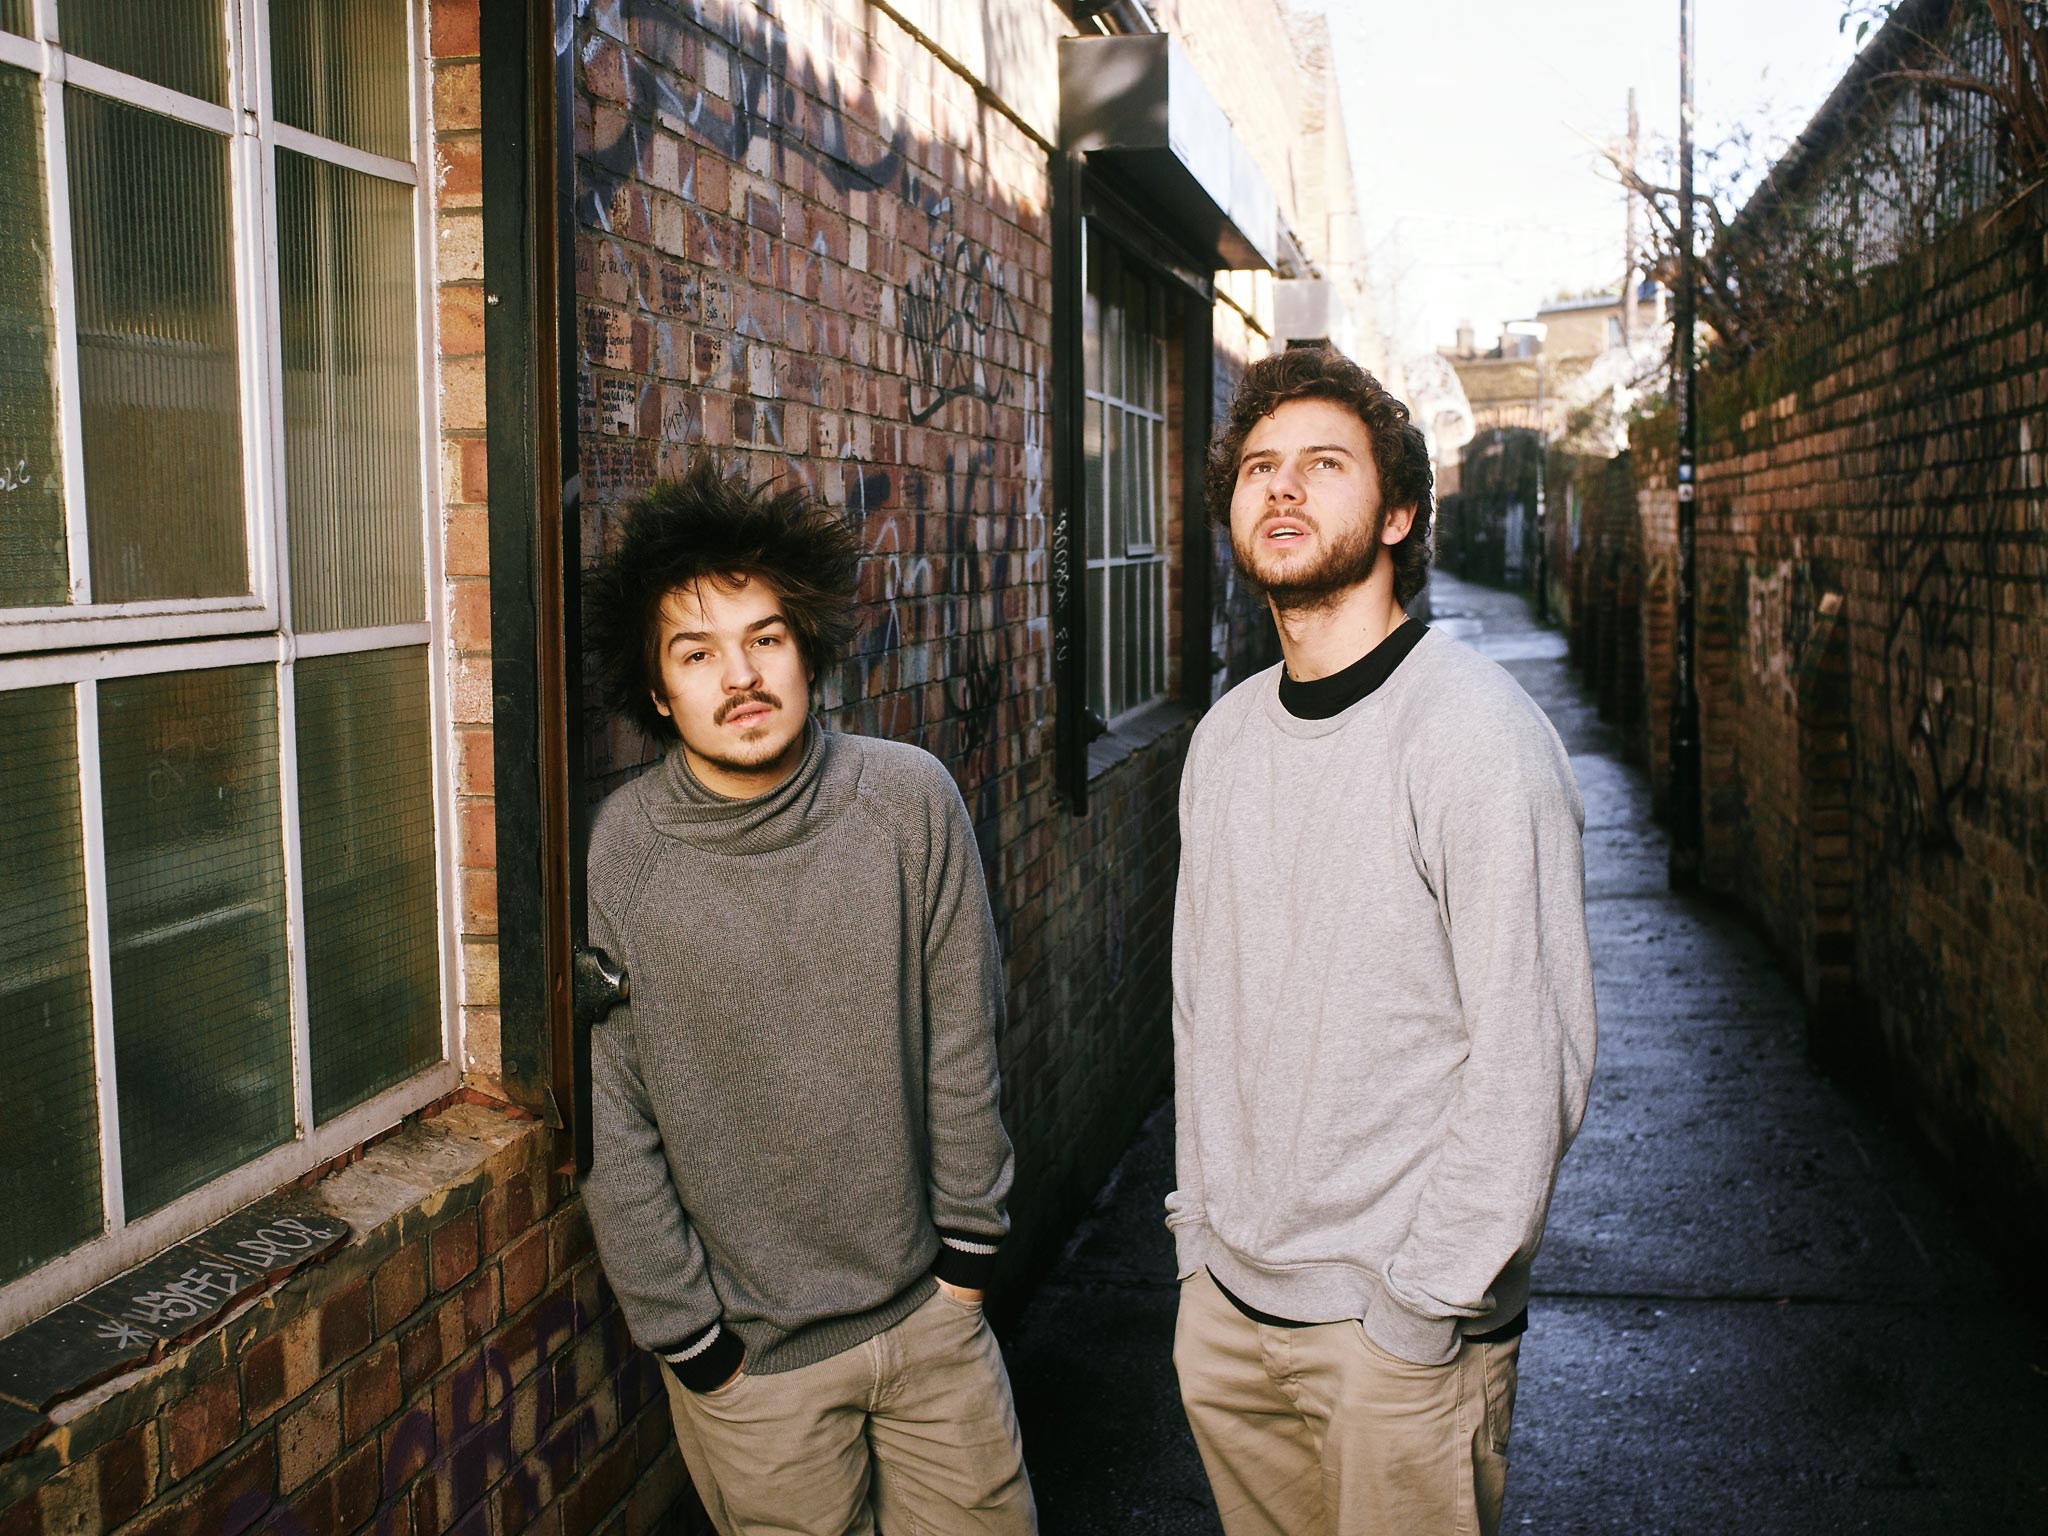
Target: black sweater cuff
966 1259
707 1358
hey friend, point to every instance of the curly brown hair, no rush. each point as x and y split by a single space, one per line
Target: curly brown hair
711 527
1400 453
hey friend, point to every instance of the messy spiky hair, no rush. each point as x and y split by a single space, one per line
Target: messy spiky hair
1399 451
713 527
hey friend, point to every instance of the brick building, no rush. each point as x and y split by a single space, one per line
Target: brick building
341 336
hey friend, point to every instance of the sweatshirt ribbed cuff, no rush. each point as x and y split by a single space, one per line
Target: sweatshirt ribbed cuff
965 1259
707 1358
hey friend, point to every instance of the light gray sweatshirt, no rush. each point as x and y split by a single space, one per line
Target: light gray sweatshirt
795 1120
1383 1000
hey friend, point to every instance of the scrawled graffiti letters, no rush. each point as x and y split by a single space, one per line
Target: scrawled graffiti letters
953 312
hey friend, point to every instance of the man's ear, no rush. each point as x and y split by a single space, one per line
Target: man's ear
1399 521
661 705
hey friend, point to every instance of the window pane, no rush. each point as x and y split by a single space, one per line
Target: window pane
1156 584
1091 317
1158 400
1148 627
151 230
17 16
1130 492
1092 468
1138 443
1100 642
1113 459
1159 483
366 820
33 567
1128 634
178 43
339 70
195 911
351 396
1112 322
1137 388
50 1156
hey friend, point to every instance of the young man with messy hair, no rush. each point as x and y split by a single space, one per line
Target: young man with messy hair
799 1172
1383 1000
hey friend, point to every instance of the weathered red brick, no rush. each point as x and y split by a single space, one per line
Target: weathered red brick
400 1284
369 1393
524 1268
202 1425
344 1324
452 1248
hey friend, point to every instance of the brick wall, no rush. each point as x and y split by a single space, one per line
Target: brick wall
460 1365
1873 601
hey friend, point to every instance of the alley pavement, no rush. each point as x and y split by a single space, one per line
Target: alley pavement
1753 1312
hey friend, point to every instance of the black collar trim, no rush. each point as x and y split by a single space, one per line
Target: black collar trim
1332 695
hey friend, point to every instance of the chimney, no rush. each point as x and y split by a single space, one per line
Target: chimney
1464 338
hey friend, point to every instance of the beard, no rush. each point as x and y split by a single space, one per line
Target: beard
762 745
1303 587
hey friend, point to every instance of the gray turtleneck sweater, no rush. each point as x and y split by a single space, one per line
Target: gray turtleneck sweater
794 1121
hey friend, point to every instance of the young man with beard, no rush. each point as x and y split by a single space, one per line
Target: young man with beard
1383 1000
799 1171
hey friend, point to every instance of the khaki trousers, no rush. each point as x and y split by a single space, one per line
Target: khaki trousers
915 1428
1318 1432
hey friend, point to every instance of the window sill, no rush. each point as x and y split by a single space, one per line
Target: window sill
64 1362
1135 734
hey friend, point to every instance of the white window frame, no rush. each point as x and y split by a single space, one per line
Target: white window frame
1106 651
78 646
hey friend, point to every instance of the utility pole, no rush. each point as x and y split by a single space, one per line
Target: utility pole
1687 832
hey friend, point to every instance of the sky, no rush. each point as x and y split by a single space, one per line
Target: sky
1470 121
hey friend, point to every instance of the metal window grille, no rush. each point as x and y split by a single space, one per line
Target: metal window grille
1124 464
225 951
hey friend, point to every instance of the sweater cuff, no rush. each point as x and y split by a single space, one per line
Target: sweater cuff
707 1358
965 1259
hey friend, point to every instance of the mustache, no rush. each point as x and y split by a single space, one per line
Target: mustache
740 700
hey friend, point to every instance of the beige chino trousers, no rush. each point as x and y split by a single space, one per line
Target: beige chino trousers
914 1427
1316 1431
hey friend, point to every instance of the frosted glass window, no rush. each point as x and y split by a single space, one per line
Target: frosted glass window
339 68
17 16
346 276
178 43
195 915
34 569
151 249
366 827
50 1157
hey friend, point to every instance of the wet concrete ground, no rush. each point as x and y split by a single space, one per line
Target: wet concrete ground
1753 1313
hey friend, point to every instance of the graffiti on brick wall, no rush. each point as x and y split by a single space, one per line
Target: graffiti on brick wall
954 313
492 1394
1937 559
1783 607
762 100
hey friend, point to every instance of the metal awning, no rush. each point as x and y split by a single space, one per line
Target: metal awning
1137 103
